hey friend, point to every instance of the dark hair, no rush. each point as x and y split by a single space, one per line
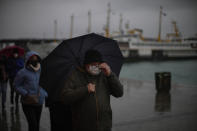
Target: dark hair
92 56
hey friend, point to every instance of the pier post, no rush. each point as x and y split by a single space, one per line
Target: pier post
163 81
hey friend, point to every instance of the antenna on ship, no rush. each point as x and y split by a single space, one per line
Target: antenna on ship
71 26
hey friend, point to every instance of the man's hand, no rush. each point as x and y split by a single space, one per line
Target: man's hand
91 88
105 68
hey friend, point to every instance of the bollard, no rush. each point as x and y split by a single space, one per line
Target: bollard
163 81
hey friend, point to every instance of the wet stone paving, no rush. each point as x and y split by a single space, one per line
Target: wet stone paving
140 109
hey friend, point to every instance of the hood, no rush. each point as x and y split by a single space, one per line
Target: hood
29 54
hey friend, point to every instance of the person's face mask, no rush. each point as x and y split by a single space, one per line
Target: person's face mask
35 67
34 63
94 69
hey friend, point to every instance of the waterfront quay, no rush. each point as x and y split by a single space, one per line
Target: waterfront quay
141 108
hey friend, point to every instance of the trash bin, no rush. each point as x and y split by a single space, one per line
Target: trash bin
163 81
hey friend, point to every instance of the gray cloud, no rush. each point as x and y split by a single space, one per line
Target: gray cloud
27 18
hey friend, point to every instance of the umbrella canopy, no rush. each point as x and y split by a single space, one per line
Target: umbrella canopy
70 54
8 51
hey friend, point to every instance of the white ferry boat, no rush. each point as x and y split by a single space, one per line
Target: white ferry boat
133 47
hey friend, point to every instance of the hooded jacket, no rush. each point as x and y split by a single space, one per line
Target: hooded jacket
91 111
27 81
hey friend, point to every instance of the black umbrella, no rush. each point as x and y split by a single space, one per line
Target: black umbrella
70 54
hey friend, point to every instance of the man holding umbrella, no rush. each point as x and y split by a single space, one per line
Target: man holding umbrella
88 91
70 62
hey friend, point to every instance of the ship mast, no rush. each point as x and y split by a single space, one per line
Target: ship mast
120 25
160 22
107 28
71 26
55 30
89 21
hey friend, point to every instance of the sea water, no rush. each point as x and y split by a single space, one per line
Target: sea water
183 72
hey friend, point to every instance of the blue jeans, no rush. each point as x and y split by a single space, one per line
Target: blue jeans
3 91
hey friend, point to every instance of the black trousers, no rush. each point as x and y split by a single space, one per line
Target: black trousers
33 114
12 92
61 118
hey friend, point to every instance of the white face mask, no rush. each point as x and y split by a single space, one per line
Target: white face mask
35 68
94 70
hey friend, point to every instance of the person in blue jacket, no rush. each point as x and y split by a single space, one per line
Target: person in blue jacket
26 83
14 64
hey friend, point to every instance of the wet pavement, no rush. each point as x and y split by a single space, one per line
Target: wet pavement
140 109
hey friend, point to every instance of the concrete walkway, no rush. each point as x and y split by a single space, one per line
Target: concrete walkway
140 109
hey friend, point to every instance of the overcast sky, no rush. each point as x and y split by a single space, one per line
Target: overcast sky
35 18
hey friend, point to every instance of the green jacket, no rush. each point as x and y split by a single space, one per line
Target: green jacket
91 112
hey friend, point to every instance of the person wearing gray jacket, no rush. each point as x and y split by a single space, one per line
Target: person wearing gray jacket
88 91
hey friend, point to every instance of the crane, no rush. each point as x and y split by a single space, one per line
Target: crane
140 32
176 35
